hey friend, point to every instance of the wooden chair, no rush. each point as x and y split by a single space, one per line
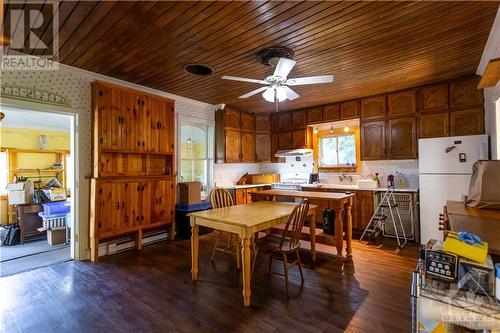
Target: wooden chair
220 198
290 241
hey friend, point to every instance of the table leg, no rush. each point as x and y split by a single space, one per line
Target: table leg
339 233
246 271
312 231
194 249
348 226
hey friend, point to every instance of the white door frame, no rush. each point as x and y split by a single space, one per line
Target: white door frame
74 151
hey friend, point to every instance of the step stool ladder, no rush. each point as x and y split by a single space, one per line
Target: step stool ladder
387 208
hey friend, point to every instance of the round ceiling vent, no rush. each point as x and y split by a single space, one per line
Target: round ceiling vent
198 69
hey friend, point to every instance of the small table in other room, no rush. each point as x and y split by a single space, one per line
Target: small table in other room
28 219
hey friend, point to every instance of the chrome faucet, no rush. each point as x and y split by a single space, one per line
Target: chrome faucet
343 177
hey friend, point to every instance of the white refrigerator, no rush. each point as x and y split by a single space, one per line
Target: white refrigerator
445 168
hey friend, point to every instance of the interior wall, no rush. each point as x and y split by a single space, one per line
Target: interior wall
28 138
74 84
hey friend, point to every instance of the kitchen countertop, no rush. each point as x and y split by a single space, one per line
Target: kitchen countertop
240 187
356 188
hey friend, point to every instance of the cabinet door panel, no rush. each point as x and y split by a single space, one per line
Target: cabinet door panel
160 201
160 129
434 125
315 115
262 123
143 125
274 120
464 93
167 129
373 107
131 105
118 206
349 110
232 118
402 103
373 141
366 208
233 146
110 117
331 112
285 140
274 148
145 202
299 139
434 97
262 147
247 147
403 138
105 205
285 122
467 122
247 122
132 211
299 119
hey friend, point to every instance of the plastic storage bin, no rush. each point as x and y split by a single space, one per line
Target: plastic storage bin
51 221
56 207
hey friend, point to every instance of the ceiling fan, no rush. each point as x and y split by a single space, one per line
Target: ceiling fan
277 86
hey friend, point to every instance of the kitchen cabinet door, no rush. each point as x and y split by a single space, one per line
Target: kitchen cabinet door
232 119
366 208
402 103
315 115
467 122
349 110
331 112
247 147
434 125
132 211
233 146
160 127
434 97
299 119
262 123
274 148
373 143
240 196
373 107
161 210
247 122
285 140
274 120
110 118
464 93
301 139
144 202
285 122
262 147
402 138
131 104
104 207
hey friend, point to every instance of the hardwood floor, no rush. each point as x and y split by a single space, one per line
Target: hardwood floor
151 291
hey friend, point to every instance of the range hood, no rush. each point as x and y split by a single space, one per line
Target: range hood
294 152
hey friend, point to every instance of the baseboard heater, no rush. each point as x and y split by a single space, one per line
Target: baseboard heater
128 243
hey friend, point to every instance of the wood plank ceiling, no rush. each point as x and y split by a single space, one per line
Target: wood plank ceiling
370 47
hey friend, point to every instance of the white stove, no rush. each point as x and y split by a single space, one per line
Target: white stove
292 182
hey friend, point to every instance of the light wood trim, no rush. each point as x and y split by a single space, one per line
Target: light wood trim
491 74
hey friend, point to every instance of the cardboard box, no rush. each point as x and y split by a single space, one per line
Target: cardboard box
55 194
56 236
189 193
20 193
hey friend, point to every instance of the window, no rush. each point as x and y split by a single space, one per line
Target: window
337 151
196 158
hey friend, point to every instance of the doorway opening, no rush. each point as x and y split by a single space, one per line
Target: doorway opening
37 189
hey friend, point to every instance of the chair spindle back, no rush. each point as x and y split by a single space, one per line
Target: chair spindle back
294 226
220 198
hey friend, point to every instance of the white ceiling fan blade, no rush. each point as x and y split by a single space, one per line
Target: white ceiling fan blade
290 94
253 92
235 78
283 67
309 80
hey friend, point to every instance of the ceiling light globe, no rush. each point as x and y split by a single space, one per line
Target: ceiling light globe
268 95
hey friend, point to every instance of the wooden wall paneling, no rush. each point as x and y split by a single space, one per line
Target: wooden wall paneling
433 125
284 121
373 141
373 107
314 115
262 123
402 138
434 97
331 112
349 110
299 119
402 103
262 147
467 122
464 93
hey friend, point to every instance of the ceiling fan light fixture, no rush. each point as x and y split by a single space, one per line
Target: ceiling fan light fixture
269 94
281 93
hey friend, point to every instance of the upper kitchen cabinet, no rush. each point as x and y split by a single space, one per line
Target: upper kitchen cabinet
299 119
434 97
467 122
331 112
263 147
314 115
373 141
262 123
234 136
247 147
434 125
349 110
284 121
285 140
274 123
373 107
302 138
402 103
232 119
464 93
247 122
402 136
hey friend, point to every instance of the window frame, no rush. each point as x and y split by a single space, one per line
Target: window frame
338 167
183 120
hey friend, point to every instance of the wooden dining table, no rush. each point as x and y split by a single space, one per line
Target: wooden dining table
245 221
339 202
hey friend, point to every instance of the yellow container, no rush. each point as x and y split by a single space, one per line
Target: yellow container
473 252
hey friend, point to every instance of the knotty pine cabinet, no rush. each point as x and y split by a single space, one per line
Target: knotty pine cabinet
133 184
234 136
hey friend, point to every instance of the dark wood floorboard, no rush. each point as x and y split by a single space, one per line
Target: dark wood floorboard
151 291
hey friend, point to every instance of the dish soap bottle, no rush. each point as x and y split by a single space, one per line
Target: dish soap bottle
377 179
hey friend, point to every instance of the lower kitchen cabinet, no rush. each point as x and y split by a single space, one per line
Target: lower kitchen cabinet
366 209
244 195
